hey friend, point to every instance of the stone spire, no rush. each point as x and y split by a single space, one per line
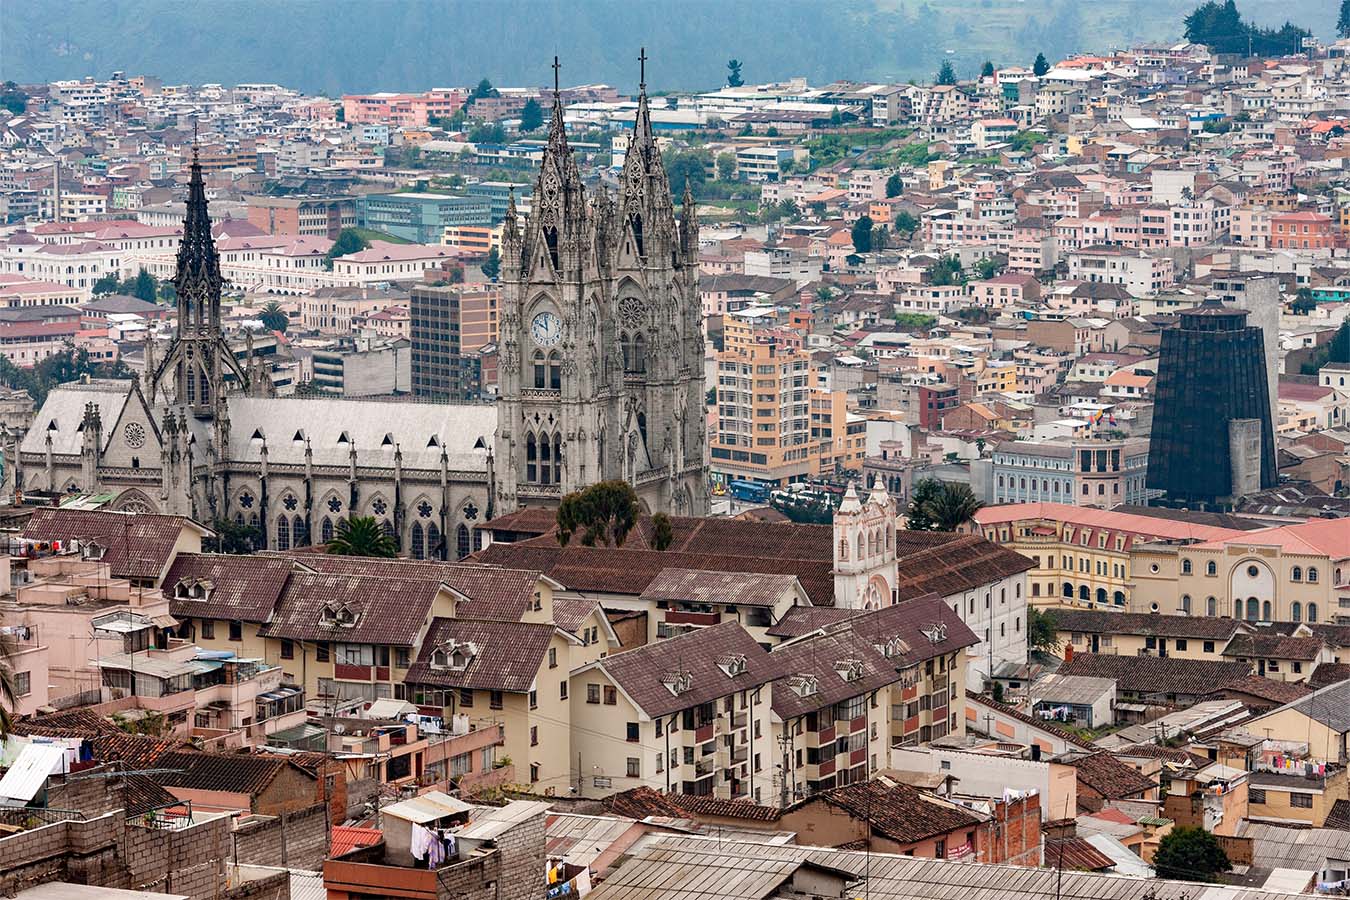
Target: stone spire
197 280
850 502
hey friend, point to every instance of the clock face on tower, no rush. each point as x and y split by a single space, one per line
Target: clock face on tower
546 329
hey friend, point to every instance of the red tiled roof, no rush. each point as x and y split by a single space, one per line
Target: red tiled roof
220 772
1075 853
827 658
895 810
507 655
1158 674
346 838
136 546
242 588
1109 777
386 611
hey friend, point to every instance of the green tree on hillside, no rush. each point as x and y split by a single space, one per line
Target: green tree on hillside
1042 631
492 266
349 241
13 99
1040 66
483 91
734 73
905 223
946 75
987 70
946 270
726 166
895 185
862 234
273 317
144 287
1343 20
531 116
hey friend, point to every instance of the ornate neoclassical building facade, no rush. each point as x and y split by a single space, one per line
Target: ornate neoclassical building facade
601 377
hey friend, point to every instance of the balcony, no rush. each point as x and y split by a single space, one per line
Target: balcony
674 617
703 734
739 720
857 757
705 766
825 736
348 672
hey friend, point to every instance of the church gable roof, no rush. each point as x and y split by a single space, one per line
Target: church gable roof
63 411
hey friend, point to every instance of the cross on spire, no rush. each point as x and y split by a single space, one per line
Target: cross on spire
642 70
194 140
556 66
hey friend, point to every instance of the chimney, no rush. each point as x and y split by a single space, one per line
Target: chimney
1068 652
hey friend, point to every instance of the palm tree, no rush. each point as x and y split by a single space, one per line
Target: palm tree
9 697
951 507
273 317
362 536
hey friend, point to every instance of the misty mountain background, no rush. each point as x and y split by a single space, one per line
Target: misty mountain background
336 46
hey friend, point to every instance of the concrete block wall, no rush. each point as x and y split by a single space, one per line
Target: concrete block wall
297 840
478 878
523 858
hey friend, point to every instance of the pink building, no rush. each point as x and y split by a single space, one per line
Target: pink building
406 110
1006 290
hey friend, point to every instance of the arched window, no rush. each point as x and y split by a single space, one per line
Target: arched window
642 427
326 529
862 547
1312 575
1186 604
1101 596
299 533
1296 611
626 344
1312 612
540 370
1068 590
1237 608
843 548
1211 568
531 459
1185 567
640 353
415 542
434 549
1211 606
1296 573
1119 598
1339 579
635 221
1265 611
557 457
551 239
461 542
545 460
1253 609
283 532
554 371
1083 593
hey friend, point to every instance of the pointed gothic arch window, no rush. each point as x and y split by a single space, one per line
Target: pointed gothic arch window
326 530
204 395
640 353
283 532
477 540
388 528
299 533
545 460
635 220
540 370
434 542
642 427
626 345
415 544
461 542
557 457
531 459
554 370
843 548
862 546
551 241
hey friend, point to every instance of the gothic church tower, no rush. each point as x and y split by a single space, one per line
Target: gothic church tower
601 368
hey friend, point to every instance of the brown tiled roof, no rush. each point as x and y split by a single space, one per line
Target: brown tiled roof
220 772
1095 621
695 806
1169 754
135 546
1158 674
1272 646
1339 816
78 722
569 614
134 751
1062 733
827 657
1278 692
895 810
242 588
961 564
913 622
641 802
800 620
642 673
141 794
735 588
386 610
1075 853
492 592
507 655
1109 777
1329 673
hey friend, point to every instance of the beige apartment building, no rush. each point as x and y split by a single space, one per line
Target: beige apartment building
763 415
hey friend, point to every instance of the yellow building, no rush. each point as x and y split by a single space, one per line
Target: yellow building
840 436
1083 554
476 239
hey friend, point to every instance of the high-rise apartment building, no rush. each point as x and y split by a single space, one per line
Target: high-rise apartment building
763 415
449 321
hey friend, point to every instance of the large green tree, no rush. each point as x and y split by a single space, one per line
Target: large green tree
1040 66
9 695
1042 630
946 270
862 234
917 513
492 266
603 514
531 115
987 70
1189 853
362 536
940 506
144 287
349 240
946 74
1343 20
895 185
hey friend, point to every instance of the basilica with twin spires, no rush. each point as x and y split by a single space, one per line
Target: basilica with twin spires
600 368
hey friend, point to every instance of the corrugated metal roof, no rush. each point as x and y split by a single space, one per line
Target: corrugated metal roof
426 808
29 773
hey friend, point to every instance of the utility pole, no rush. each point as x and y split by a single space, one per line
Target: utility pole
786 742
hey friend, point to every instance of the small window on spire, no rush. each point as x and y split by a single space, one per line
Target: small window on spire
433 442
344 439
388 441
551 239
635 221
257 434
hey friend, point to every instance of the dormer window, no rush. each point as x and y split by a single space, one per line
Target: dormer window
893 648
453 655
192 590
337 615
850 669
732 664
936 633
677 682
94 550
804 685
